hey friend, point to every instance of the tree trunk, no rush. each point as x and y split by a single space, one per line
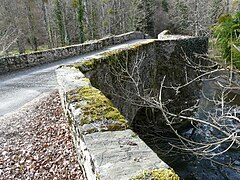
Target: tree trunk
196 18
59 21
14 18
33 38
87 19
94 23
47 24
67 38
80 20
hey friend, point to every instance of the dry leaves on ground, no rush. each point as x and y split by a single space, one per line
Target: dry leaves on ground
36 143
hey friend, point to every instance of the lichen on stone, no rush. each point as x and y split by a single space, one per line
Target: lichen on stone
85 80
87 65
119 56
97 108
160 174
98 176
120 59
124 54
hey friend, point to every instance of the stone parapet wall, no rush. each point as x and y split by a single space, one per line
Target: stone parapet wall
106 147
165 57
18 62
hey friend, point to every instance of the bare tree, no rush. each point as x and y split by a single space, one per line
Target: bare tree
195 17
47 23
60 22
205 132
8 38
31 24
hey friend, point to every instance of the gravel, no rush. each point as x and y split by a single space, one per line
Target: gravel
36 143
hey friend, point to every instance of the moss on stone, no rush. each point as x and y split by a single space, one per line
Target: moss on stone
98 108
78 67
124 54
161 174
85 80
87 65
134 135
119 59
114 57
137 46
98 176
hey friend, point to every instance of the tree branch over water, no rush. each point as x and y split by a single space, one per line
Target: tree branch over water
206 132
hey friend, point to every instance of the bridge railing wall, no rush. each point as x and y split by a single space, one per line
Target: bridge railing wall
106 146
18 62
169 57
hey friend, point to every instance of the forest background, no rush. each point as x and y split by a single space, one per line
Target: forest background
31 25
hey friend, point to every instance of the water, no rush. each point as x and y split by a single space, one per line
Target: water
216 101
200 166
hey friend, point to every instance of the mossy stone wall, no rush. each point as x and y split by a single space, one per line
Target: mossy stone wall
106 147
149 62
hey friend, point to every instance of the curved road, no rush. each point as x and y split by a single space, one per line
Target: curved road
18 88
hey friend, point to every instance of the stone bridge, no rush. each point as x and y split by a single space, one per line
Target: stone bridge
100 95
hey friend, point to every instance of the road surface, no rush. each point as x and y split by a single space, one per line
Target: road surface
18 88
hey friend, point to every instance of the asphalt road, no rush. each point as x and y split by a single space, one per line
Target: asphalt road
18 88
